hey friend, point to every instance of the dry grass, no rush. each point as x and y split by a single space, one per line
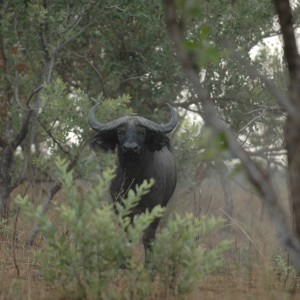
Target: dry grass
249 270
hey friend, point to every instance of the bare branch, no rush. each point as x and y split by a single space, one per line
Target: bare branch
23 131
17 91
60 46
52 191
54 188
32 94
97 71
251 122
242 230
54 139
281 97
43 39
14 243
14 237
77 19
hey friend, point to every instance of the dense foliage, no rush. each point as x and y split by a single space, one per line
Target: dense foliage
85 258
59 58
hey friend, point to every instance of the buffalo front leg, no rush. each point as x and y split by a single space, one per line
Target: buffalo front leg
149 237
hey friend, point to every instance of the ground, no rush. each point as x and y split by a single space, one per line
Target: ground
255 266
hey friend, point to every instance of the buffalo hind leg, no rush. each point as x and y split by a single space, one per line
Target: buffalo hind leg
149 237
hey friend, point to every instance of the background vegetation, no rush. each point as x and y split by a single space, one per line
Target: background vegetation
57 59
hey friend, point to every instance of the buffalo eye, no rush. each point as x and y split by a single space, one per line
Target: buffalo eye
142 132
120 132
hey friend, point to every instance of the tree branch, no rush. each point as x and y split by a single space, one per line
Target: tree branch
23 131
256 175
32 94
282 98
52 191
252 121
97 71
77 18
54 139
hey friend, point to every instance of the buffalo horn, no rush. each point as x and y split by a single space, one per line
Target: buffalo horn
165 128
104 126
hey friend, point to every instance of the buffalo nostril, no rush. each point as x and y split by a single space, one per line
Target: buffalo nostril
130 147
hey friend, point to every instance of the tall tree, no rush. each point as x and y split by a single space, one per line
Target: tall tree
33 36
59 58
259 177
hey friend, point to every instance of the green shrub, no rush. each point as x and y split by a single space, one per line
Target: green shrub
88 245
285 272
179 255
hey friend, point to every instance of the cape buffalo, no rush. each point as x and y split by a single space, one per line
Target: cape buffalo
144 152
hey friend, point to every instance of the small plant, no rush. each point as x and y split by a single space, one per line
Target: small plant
180 257
5 228
284 270
90 249
86 257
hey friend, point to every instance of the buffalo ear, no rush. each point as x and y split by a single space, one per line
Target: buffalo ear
156 141
104 141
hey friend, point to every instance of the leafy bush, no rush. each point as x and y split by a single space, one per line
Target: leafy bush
179 255
5 228
284 271
90 249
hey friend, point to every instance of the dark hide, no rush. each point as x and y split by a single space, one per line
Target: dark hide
142 154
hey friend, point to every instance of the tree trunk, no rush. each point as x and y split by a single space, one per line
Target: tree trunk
6 165
5 181
292 133
293 150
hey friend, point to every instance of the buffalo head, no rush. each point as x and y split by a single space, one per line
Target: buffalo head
132 135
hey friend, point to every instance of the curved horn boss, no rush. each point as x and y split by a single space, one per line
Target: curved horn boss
165 128
144 152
